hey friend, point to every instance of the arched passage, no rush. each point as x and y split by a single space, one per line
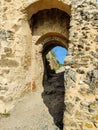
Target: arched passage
48 42
39 5
53 83
49 22
45 17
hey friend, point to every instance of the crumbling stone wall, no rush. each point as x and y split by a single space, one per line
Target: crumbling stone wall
15 59
82 80
20 58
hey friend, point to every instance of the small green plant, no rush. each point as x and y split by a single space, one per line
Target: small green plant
54 55
5 114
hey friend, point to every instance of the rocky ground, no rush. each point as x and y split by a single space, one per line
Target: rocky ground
39 111
29 114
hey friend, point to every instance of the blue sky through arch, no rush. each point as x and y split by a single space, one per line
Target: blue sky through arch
60 53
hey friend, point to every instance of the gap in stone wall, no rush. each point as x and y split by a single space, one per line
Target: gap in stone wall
52 25
50 20
54 90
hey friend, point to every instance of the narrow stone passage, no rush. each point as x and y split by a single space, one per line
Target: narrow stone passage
53 97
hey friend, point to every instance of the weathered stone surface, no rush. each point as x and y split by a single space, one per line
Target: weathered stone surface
28 27
96 39
69 60
80 71
92 77
8 63
69 78
6 34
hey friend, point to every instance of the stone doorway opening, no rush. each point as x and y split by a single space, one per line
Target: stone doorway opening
50 20
53 83
50 28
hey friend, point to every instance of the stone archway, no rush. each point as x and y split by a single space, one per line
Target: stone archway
53 84
50 27
36 6
48 24
49 41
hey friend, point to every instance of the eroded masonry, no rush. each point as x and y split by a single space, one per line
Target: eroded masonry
32 95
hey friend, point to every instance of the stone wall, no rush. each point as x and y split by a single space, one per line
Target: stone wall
20 57
81 82
15 52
